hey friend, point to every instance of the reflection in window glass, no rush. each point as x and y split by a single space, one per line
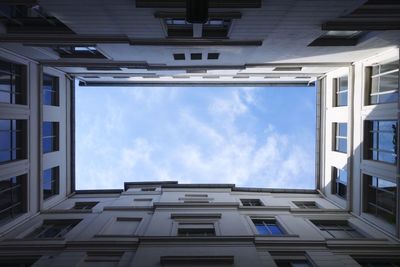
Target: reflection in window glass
12 88
384 83
12 140
381 141
50 90
50 182
12 197
267 227
50 136
380 198
340 137
341 90
339 185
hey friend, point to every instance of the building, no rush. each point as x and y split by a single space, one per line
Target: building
348 49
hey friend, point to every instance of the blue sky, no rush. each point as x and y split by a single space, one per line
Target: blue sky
257 137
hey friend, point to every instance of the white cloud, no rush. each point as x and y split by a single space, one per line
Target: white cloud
215 152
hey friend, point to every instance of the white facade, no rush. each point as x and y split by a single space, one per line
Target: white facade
348 49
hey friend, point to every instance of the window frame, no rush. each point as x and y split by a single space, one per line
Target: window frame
304 205
268 221
17 74
21 183
55 91
18 135
337 136
253 202
367 186
368 81
338 225
369 146
69 224
336 182
54 180
55 136
337 91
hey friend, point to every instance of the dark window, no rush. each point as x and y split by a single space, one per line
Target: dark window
180 56
51 182
379 263
20 261
251 202
380 198
13 138
12 197
339 182
213 28
384 83
213 56
81 51
30 19
84 205
381 141
195 56
196 230
338 38
338 230
53 229
340 141
292 263
306 204
12 83
148 189
50 90
50 136
267 227
341 91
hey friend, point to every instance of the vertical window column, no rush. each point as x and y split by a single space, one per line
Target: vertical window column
340 142
341 91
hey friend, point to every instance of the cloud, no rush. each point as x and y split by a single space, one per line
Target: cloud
211 146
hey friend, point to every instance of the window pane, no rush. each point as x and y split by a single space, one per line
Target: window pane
275 230
11 197
50 90
262 230
342 99
341 145
50 182
342 129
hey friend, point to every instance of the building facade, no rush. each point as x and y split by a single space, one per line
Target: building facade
349 50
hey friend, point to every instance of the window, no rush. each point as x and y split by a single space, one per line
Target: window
306 204
381 141
380 198
251 202
337 230
13 137
213 28
179 56
53 229
379 263
341 91
12 197
339 182
383 83
213 56
292 263
84 205
50 136
267 227
50 90
81 51
12 83
340 142
196 56
148 189
51 182
30 18
338 38
196 229
121 226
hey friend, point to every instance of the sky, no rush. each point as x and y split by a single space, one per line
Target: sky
253 137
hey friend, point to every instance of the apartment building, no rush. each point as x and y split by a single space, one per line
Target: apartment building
349 50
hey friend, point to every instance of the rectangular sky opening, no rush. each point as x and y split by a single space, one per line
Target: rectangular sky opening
248 136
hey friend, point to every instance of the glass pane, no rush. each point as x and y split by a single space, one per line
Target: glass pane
389 82
48 129
262 230
274 229
5 141
342 129
387 98
5 125
48 145
386 141
343 81
342 176
342 99
341 145
389 66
